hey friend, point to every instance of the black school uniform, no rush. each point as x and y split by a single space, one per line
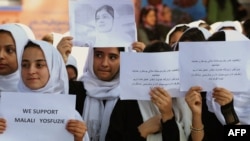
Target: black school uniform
77 88
125 119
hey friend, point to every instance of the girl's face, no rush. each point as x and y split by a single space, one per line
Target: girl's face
8 57
35 72
175 37
150 18
106 63
167 14
104 21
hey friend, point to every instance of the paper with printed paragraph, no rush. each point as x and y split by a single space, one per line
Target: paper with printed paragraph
37 117
139 72
215 64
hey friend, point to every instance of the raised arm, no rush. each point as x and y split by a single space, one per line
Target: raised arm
194 101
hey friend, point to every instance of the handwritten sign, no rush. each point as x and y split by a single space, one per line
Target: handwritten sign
211 64
142 71
99 23
40 117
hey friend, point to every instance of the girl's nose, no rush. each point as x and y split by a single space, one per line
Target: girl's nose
32 69
105 62
1 54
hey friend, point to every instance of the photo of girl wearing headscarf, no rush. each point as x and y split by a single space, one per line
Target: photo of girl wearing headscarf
101 24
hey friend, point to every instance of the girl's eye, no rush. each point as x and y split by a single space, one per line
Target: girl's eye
105 17
113 57
98 55
10 50
25 65
40 65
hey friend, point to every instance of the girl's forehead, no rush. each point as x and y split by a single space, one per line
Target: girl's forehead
107 50
103 11
32 46
6 38
28 50
5 33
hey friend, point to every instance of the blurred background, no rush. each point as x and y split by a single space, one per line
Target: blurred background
45 16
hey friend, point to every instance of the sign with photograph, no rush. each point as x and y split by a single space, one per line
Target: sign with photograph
102 23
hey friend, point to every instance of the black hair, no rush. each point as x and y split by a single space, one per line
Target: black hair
120 49
8 32
158 46
191 34
246 27
179 28
217 36
4 31
227 28
144 11
108 8
31 44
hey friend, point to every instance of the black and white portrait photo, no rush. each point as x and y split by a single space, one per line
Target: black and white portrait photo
102 23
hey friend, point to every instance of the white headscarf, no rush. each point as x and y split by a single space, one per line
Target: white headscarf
58 80
204 31
214 27
235 24
241 100
27 30
95 114
172 30
196 23
148 110
182 115
234 35
9 82
72 61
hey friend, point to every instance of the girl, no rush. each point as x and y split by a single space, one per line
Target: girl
149 30
98 89
175 33
43 71
212 110
162 118
12 41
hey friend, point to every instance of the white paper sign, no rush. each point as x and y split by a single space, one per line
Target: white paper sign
102 23
214 64
37 117
141 71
